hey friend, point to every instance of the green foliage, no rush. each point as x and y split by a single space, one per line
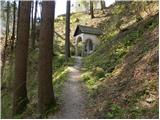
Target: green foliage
86 76
98 72
60 72
59 78
52 109
115 49
79 48
58 61
109 36
111 53
89 79
6 105
118 9
72 50
151 24
91 82
114 111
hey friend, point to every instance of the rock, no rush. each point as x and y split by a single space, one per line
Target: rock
150 100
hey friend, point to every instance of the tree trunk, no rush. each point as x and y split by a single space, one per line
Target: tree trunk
91 9
102 4
6 39
13 30
45 89
67 41
34 26
7 23
20 98
32 19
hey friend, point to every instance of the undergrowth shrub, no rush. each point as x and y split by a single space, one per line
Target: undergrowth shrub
98 72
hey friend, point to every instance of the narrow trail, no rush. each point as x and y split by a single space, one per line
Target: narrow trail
73 95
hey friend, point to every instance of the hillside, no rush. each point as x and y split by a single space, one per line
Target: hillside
122 81
130 89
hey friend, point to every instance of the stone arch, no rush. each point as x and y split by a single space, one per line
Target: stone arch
89 46
79 46
79 39
85 44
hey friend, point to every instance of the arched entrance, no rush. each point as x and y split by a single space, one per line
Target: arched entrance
89 46
79 47
84 46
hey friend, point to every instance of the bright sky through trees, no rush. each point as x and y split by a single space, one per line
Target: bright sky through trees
61 6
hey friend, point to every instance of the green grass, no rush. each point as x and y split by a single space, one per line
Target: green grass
6 107
111 53
60 72
92 78
115 111
59 77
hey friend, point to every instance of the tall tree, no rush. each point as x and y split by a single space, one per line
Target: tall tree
20 98
67 37
102 4
32 12
91 9
14 22
45 89
34 25
6 38
7 23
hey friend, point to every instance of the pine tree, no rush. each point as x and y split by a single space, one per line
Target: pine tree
14 24
67 41
20 98
33 35
6 38
45 89
91 9
102 4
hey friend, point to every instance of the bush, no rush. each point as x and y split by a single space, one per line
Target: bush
98 72
86 76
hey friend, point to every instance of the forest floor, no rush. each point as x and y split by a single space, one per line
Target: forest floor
73 98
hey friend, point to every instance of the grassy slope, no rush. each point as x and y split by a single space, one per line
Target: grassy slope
123 79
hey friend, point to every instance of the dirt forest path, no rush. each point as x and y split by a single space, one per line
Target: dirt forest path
73 95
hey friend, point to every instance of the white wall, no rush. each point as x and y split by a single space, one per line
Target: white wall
84 37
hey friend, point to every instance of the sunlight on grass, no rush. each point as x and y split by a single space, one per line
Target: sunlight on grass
59 77
58 74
